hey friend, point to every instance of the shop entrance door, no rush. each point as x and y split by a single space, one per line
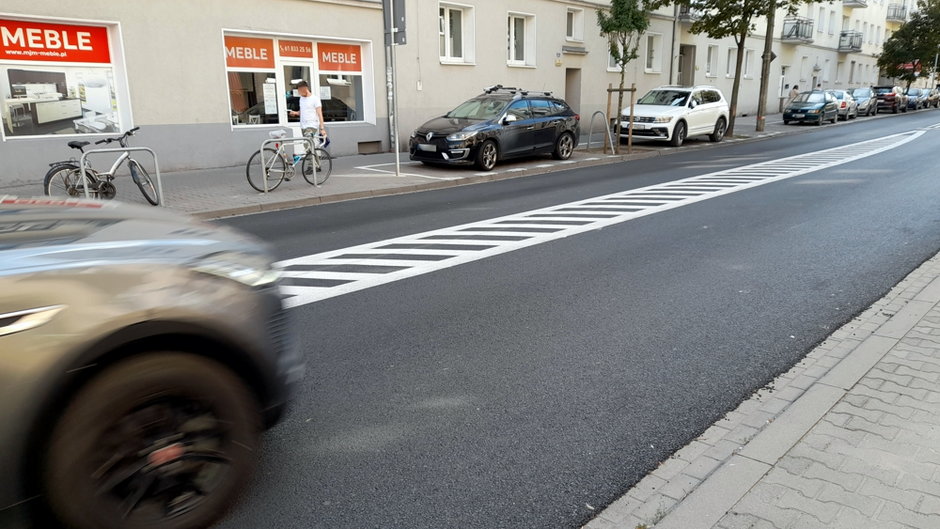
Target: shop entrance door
294 73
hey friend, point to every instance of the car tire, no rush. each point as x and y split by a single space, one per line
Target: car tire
487 155
834 118
678 134
564 146
786 122
720 127
163 439
894 109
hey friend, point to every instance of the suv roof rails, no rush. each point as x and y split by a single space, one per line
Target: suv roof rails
513 90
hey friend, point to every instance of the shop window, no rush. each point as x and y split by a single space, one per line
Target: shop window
342 97
44 92
253 98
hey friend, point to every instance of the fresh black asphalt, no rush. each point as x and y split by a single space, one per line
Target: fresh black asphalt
534 388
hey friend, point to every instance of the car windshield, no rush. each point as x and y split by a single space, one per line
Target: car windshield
882 90
672 98
810 97
860 92
838 95
913 92
479 108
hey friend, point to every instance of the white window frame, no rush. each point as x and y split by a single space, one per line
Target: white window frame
729 67
832 22
711 61
577 25
652 56
528 39
467 29
822 20
748 59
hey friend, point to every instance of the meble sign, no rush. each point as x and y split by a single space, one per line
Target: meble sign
22 40
249 52
339 57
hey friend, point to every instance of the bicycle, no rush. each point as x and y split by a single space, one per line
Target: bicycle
315 164
66 176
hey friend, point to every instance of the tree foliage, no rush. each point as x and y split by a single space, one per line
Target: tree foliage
911 50
623 25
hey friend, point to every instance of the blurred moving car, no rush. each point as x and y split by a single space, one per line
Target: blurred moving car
848 107
501 123
815 106
917 98
673 113
890 99
866 100
141 355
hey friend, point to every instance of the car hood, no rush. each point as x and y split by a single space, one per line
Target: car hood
655 111
44 234
444 125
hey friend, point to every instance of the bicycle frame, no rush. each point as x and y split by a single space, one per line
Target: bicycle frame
280 144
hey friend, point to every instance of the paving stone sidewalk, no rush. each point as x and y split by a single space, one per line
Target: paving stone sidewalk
848 438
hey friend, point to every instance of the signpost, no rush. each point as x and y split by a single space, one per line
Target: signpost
393 12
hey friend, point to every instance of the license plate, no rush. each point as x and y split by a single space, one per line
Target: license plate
639 126
799 115
427 148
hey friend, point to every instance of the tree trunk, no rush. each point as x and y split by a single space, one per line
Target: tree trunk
765 66
619 110
733 110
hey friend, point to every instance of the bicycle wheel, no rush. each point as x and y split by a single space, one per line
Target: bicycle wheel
142 179
323 170
275 170
65 181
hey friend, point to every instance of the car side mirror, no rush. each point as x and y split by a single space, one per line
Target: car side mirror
509 119
692 104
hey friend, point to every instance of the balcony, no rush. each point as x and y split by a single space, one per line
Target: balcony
797 29
897 13
688 15
854 3
850 41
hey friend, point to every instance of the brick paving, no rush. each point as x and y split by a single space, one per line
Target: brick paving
848 438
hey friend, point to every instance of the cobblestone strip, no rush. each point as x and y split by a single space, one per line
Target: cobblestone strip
850 466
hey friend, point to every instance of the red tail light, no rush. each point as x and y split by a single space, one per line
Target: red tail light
577 117
843 104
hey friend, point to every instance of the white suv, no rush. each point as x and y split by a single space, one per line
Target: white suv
674 113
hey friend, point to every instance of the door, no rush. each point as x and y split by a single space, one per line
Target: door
573 88
699 114
290 101
686 65
517 137
546 124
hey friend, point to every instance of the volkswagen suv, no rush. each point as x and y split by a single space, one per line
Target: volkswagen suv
501 123
673 113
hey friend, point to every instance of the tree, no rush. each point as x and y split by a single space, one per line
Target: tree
623 25
911 50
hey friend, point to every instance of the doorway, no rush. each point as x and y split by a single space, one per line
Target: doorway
686 65
293 73
573 88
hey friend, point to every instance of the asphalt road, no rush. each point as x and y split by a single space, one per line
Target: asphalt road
533 388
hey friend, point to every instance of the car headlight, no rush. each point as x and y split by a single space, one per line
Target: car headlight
662 119
814 111
414 134
253 270
461 136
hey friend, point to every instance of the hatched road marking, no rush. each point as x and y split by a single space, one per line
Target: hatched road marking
313 278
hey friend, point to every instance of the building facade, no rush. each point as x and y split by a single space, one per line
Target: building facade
206 81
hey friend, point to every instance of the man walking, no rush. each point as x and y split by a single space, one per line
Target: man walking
311 111
793 93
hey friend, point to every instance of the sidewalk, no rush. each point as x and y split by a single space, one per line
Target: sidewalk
224 191
848 438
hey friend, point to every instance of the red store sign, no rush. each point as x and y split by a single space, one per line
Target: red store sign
339 57
22 40
295 48
249 52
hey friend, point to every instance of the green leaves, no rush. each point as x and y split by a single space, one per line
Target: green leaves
911 50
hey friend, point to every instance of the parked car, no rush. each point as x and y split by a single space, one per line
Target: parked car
891 99
848 107
916 98
933 98
866 100
815 106
499 124
673 113
141 354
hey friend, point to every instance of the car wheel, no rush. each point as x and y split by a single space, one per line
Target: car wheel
894 109
834 118
160 440
720 127
786 122
822 118
487 155
678 134
564 146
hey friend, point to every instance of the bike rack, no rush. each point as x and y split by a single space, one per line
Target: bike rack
292 141
610 138
156 167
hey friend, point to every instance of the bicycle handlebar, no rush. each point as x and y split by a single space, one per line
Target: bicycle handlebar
119 138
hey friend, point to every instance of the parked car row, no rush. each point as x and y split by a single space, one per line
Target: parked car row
819 106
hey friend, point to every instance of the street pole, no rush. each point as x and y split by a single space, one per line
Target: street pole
766 59
933 73
390 77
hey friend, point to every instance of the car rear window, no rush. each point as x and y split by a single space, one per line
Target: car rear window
882 90
540 108
860 92
672 98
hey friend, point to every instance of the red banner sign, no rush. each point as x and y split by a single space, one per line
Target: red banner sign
248 52
295 48
22 40
340 57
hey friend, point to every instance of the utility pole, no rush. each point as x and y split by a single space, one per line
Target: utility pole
767 57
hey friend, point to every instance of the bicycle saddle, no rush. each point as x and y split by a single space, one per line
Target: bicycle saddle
78 144
277 134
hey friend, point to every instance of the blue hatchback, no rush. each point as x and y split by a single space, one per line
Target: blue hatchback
815 107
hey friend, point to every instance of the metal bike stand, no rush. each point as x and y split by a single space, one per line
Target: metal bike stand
607 129
156 167
264 164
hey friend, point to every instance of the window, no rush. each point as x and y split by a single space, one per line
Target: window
455 33
732 57
520 40
520 109
822 20
711 64
832 22
540 108
748 58
653 53
48 88
574 24
825 72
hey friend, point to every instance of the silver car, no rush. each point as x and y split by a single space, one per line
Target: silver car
848 108
867 101
141 355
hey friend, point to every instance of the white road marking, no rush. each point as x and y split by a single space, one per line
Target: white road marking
313 278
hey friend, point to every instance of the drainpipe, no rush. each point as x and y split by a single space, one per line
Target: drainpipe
672 56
